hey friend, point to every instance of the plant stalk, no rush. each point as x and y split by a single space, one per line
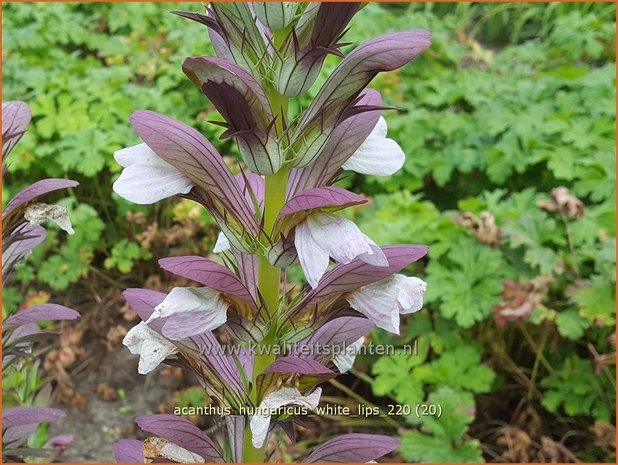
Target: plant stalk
269 276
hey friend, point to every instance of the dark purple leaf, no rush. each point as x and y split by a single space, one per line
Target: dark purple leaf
182 433
242 102
43 312
18 416
296 76
15 119
129 451
210 274
346 138
339 92
353 448
356 274
39 188
189 152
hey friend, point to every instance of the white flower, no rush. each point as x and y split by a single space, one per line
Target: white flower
146 178
151 347
324 235
260 422
377 155
189 311
345 360
37 213
159 447
384 301
222 243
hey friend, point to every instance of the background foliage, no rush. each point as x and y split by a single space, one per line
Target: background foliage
510 102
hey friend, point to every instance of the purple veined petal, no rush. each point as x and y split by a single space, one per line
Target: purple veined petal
129 451
338 331
253 187
15 436
23 331
19 244
354 447
329 198
352 75
235 427
18 416
245 358
189 152
15 119
304 366
210 274
182 433
349 277
143 302
295 76
43 312
39 188
346 138
242 102
248 268
221 364
184 326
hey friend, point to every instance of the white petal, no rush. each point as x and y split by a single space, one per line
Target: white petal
411 290
377 155
37 213
139 154
159 447
345 360
222 243
260 422
180 454
151 347
190 311
342 239
378 302
313 258
146 184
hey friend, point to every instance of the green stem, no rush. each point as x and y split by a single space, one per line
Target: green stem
535 367
269 276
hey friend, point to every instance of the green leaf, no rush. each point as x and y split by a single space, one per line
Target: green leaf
571 325
467 282
597 301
